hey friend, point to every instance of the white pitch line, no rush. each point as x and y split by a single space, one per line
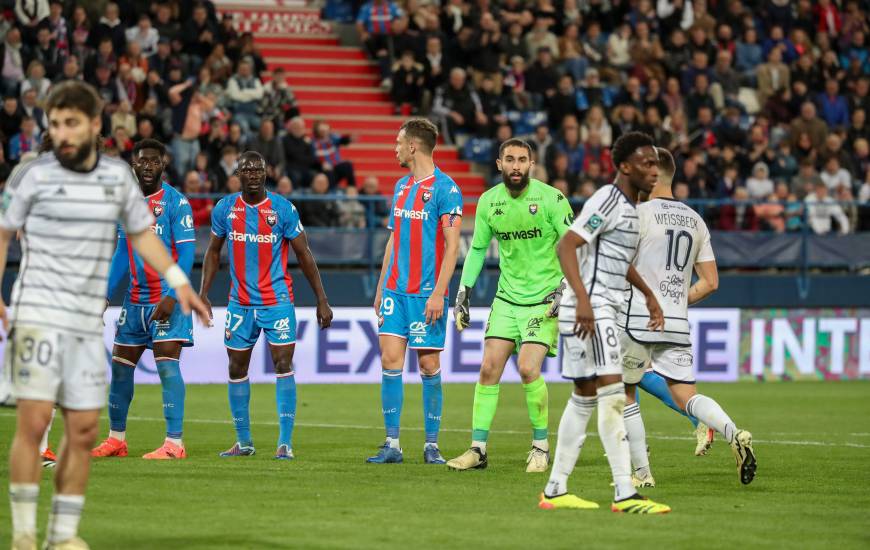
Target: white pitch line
504 432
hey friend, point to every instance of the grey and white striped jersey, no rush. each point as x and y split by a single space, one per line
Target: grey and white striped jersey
69 232
609 225
673 238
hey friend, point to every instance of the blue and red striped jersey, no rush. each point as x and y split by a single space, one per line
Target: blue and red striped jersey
258 243
378 18
173 225
418 238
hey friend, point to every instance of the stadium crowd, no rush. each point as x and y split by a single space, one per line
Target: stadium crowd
761 100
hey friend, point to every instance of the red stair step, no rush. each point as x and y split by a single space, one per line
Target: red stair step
337 93
333 66
266 40
331 80
311 52
354 125
330 108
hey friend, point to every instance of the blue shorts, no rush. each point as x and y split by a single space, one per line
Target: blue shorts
243 325
405 317
133 328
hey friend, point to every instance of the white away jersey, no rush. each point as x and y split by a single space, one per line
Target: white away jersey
609 225
69 222
673 238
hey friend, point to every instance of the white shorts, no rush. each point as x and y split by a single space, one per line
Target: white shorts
668 360
50 365
586 359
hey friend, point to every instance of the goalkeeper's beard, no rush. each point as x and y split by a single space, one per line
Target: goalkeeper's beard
508 181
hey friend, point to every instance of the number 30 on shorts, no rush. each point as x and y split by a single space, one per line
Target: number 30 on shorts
31 349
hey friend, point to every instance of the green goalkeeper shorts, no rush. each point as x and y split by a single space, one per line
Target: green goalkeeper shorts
523 325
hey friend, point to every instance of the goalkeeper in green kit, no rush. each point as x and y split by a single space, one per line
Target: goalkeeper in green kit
527 218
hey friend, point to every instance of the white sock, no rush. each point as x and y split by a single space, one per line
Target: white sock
175 440
393 443
636 433
611 430
43 445
430 445
63 522
542 444
120 436
479 444
710 413
572 435
23 498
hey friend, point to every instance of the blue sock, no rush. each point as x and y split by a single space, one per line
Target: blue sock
240 397
391 401
432 402
173 396
285 397
120 395
654 384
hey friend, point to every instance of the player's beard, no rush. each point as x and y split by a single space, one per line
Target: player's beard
77 159
508 182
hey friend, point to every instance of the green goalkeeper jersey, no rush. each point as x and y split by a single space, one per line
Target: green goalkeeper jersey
527 229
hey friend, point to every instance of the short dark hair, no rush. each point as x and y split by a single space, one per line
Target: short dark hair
514 142
667 166
74 94
422 129
627 144
148 144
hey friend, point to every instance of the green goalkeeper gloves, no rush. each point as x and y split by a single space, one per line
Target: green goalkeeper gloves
460 311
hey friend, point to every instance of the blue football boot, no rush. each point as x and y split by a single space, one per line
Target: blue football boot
432 454
386 455
239 450
284 453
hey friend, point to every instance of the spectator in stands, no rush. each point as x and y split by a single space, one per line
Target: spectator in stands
586 190
560 171
435 66
202 208
244 92
28 139
408 83
236 137
29 14
738 216
728 183
832 106
377 209
58 27
111 27
278 104
199 34
809 124
13 55
542 77
71 70
80 33
596 154
772 76
457 106
326 147
189 109
222 67
284 187
759 185
299 156
822 210
569 145
104 56
144 35
268 145
540 141
351 212
46 52
319 212
493 107
233 185
374 25
770 214
226 167
834 176
860 158
834 148
31 108
10 119
124 118
563 102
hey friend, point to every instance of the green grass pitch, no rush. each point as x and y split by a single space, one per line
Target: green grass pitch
812 442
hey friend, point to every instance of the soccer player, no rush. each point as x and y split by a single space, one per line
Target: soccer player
673 240
150 316
595 257
261 228
527 217
67 204
419 261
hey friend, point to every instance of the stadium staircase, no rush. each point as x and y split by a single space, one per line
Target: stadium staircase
340 85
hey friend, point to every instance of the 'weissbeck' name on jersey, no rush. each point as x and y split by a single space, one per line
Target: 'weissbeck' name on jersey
672 218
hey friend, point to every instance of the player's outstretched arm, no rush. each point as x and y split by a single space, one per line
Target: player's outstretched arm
584 318
708 281
656 316
6 236
309 268
380 288
211 263
155 254
435 303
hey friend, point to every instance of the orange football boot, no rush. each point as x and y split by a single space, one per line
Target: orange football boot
167 451
110 447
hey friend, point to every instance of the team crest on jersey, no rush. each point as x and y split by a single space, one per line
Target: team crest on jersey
594 223
426 196
272 219
533 208
158 210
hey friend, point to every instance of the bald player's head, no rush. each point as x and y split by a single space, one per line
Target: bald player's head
667 167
